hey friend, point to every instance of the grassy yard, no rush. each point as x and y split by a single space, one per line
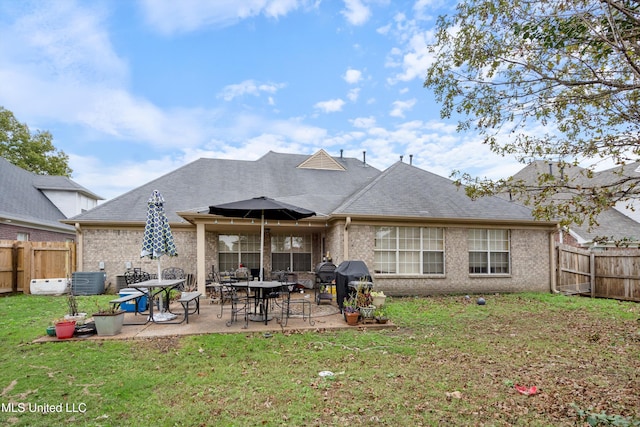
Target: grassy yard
451 362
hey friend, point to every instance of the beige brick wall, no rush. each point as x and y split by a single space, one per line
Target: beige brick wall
117 247
530 263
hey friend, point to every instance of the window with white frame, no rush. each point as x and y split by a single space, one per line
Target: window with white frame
489 251
409 250
289 252
237 249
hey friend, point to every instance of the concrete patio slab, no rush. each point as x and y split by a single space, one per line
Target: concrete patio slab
212 320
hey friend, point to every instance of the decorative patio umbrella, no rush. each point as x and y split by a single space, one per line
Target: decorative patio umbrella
157 240
261 208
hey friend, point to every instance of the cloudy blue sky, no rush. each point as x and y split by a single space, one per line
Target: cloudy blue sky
133 89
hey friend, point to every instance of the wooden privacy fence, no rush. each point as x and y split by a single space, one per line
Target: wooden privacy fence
613 274
22 261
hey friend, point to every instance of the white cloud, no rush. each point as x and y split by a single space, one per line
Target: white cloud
170 17
331 106
363 122
352 76
67 63
65 41
112 180
353 94
248 87
119 114
400 107
384 30
356 12
411 56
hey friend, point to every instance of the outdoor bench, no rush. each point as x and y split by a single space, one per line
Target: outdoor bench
187 298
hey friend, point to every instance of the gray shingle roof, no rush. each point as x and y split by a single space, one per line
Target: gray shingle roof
401 190
22 200
611 223
406 190
204 182
62 183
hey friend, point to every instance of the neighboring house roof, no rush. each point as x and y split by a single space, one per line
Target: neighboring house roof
23 201
62 183
354 188
529 173
612 223
405 190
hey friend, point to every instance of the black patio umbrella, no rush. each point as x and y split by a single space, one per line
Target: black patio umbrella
261 208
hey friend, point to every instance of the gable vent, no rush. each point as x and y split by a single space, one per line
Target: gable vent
321 160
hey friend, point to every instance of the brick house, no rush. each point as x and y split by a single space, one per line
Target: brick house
417 232
32 205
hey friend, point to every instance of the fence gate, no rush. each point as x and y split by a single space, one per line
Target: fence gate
617 275
574 270
22 261
611 274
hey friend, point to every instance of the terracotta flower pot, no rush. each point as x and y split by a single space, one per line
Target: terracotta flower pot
352 318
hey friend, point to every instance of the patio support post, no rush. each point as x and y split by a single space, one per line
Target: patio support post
262 246
79 249
200 259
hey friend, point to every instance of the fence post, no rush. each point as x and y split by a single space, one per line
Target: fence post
592 269
14 268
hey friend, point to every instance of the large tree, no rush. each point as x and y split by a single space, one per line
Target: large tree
31 151
555 80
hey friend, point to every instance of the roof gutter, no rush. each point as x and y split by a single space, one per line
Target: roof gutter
551 225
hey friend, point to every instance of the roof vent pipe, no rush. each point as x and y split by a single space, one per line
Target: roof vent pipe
341 150
410 159
401 156
364 157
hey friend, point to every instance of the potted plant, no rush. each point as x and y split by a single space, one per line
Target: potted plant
108 320
350 310
364 300
378 297
65 328
72 312
380 314
51 329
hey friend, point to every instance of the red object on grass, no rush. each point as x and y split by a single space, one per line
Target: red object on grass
527 391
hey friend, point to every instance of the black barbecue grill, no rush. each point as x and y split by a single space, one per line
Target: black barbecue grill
348 275
325 276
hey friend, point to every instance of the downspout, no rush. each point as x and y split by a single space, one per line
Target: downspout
345 250
79 247
552 258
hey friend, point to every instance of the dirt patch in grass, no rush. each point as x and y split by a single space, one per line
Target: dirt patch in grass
159 344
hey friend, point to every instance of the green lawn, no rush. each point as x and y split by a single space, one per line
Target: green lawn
451 362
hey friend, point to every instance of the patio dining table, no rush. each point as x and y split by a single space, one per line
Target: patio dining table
262 290
156 287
